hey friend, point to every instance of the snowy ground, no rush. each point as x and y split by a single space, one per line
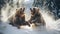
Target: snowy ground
27 30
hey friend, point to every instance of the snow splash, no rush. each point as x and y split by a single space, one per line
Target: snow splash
51 23
8 11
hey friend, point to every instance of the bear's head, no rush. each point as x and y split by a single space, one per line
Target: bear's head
20 12
34 11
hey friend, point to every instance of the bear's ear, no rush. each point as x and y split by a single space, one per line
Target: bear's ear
20 8
31 9
34 9
16 9
23 9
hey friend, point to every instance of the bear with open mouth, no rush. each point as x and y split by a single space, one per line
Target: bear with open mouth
36 17
18 19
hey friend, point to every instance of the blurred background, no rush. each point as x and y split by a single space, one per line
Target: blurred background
52 5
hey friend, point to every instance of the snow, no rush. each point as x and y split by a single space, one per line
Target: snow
9 29
37 30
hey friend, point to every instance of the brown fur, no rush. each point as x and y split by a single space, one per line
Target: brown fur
36 16
19 18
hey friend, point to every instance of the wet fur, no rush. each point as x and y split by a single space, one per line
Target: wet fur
18 19
36 17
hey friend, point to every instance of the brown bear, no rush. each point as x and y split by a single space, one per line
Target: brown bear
19 18
36 17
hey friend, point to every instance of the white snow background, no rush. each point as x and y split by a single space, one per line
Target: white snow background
52 26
